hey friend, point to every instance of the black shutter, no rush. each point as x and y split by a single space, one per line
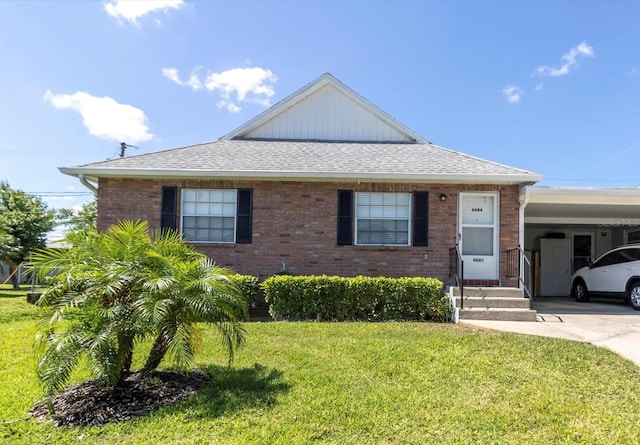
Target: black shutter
169 208
345 217
243 216
420 218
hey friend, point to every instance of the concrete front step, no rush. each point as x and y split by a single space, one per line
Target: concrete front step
498 292
494 303
497 314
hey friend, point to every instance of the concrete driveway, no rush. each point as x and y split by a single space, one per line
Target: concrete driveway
608 323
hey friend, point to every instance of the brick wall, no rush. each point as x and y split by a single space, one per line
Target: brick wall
294 224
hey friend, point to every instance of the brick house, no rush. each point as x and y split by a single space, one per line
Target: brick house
323 182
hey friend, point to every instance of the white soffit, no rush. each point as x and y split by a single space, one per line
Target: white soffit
594 206
325 110
583 195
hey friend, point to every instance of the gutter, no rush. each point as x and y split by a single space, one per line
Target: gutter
84 181
93 173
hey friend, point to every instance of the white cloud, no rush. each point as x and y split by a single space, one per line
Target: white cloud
540 86
569 60
172 74
253 85
132 10
104 117
512 93
193 82
247 84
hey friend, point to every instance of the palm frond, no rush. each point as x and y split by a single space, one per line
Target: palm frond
62 353
184 344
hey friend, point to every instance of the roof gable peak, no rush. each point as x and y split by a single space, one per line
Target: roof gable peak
326 110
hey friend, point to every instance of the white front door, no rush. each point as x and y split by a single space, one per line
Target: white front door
478 235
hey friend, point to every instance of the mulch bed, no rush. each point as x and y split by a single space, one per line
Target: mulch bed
91 403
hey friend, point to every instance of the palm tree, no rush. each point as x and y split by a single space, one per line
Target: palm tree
195 291
111 290
182 289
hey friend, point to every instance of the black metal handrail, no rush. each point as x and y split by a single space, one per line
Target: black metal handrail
456 270
519 266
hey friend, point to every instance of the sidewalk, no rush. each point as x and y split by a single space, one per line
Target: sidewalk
606 323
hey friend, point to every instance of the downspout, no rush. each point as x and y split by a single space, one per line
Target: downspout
524 200
84 181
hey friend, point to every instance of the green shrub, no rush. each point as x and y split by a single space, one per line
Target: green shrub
248 285
358 298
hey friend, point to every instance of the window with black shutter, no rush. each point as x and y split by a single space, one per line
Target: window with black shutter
216 215
243 218
345 217
169 208
420 221
383 218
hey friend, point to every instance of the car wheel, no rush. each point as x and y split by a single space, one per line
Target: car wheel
633 295
580 292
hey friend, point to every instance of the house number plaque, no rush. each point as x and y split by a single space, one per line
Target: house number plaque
478 260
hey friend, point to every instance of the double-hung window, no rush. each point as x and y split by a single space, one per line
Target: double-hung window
383 218
209 215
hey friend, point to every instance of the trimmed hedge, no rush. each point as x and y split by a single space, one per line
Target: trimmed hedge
359 298
248 285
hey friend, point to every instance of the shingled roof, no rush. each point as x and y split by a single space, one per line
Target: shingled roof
324 131
260 159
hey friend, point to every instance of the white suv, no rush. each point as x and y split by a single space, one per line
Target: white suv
614 274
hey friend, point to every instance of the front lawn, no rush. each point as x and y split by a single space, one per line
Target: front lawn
360 383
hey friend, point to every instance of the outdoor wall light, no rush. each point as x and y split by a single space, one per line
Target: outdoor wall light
443 197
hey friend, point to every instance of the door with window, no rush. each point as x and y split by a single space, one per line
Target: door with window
582 250
478 235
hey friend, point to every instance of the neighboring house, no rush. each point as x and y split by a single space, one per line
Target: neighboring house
324 182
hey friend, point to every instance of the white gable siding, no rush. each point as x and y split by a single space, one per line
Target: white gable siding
328 115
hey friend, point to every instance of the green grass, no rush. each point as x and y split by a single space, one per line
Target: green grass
360 383
14 306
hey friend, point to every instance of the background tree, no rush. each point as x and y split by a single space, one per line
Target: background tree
7 245
85 218
27 220
111 290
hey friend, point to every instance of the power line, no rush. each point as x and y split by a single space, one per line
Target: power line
60 193
40 153
591 180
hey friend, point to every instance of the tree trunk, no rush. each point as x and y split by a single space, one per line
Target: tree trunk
126 365
13 273
126 346
158 351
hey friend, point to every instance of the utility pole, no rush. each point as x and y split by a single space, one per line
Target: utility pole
123 147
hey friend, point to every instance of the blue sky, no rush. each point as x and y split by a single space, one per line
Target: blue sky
551 87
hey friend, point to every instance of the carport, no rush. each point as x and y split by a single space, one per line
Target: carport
566 227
